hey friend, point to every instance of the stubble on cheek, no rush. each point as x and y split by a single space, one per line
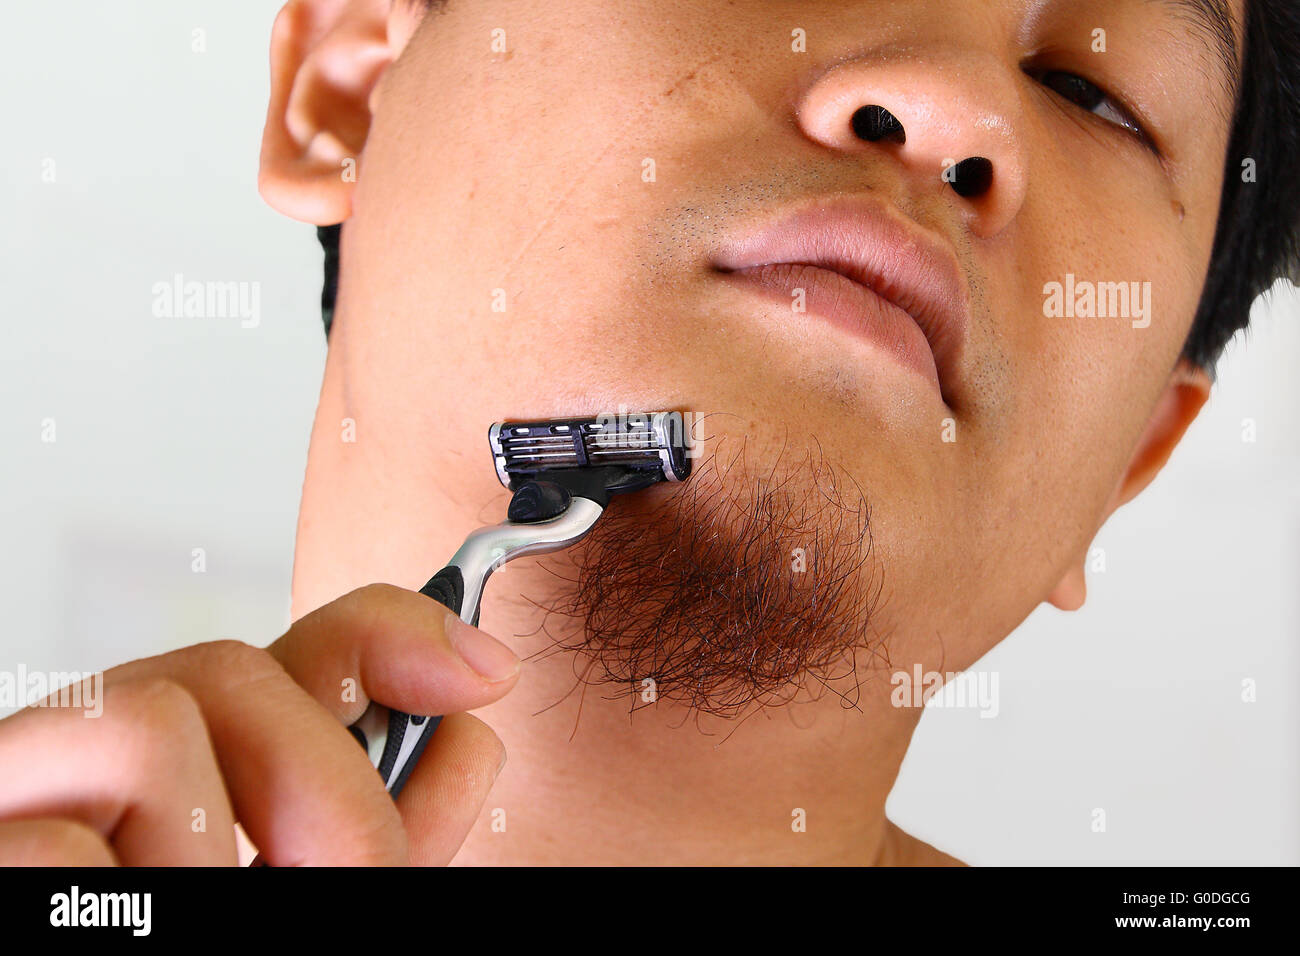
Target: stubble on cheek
748 587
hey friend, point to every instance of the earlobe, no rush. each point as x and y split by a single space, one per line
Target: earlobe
1071 591
1180 402
327 57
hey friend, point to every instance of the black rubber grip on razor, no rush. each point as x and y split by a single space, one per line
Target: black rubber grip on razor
447 587
396 725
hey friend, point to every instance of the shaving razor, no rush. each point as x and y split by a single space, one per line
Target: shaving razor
562 473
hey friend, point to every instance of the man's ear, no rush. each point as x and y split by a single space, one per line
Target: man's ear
327 57
1180 402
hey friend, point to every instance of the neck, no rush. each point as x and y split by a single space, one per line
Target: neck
589 779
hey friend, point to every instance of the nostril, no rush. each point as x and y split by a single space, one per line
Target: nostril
874 123
972 178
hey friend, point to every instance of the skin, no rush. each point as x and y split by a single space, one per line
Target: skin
257 735
521 171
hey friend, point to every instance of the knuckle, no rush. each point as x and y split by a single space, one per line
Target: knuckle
234 661
377 593
360 609
151 723
153 704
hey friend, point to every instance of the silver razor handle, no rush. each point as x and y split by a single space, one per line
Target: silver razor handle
395 740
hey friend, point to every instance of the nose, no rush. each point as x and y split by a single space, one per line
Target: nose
950 116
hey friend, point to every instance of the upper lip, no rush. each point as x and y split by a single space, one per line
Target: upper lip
866 242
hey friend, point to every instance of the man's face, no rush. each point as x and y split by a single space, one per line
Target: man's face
543 228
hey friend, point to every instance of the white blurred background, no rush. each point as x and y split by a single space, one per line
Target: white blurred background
179 434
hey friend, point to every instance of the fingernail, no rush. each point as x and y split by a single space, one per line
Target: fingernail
485 655
502 765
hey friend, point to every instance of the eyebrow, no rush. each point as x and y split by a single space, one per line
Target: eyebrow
1212 19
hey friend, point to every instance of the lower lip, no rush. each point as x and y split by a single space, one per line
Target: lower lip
848 305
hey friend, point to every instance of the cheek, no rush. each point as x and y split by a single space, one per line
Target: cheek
1101 287
1064 388
525 175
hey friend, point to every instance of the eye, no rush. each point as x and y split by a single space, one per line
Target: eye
1091 97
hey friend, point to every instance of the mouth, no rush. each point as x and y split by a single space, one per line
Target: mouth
857 265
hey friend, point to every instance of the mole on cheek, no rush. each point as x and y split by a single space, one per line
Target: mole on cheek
1179 210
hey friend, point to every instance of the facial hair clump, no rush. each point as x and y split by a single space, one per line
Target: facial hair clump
734 591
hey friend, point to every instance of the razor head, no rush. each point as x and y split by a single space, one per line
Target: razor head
593 457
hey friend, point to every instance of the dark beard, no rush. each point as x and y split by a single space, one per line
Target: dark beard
700 590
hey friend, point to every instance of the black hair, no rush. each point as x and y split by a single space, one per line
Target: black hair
329 241
1258 237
